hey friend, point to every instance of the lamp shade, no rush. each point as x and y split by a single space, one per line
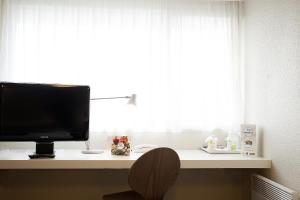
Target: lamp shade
132 99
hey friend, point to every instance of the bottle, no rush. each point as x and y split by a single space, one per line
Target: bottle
232 141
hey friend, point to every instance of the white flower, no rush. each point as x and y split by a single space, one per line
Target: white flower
120 145
211 140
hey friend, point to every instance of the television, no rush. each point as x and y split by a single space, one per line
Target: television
44 113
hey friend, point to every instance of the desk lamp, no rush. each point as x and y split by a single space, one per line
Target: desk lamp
131 101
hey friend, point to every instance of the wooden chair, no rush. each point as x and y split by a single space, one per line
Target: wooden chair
150 176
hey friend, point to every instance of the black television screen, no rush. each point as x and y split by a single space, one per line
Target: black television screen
43 112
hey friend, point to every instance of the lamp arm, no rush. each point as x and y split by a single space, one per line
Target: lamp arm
125 97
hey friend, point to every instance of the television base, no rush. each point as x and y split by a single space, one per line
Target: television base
34 156
43 150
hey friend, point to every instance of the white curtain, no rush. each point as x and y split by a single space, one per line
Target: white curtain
181 58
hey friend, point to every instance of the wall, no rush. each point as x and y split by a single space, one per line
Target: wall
273 83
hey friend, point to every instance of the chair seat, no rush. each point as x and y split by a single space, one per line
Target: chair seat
128 195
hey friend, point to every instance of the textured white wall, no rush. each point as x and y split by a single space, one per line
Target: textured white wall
273 83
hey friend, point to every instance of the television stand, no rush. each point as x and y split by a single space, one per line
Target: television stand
43 150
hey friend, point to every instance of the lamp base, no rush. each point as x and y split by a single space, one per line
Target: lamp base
96 151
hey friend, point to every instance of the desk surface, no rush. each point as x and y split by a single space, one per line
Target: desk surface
74 159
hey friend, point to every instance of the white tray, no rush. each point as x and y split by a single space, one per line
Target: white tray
221 151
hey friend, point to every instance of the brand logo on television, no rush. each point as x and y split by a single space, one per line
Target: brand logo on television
44 137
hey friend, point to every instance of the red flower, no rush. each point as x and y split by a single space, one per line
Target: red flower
116 141
124 139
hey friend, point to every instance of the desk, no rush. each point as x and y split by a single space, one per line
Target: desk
76 176
73 159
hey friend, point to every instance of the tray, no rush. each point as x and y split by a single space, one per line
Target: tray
221 151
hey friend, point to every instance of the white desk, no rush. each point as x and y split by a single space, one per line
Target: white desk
73 159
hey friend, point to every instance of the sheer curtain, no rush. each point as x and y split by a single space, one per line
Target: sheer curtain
181 58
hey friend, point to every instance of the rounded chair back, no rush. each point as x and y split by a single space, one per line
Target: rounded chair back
154 173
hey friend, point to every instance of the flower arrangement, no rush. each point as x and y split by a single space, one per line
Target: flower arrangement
120 146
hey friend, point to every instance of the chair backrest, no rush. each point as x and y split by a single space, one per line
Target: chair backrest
154 172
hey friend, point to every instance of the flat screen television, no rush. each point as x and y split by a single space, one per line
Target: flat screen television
44 113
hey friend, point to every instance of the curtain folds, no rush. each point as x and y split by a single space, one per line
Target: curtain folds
181 57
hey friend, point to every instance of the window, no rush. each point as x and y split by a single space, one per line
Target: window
181 58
